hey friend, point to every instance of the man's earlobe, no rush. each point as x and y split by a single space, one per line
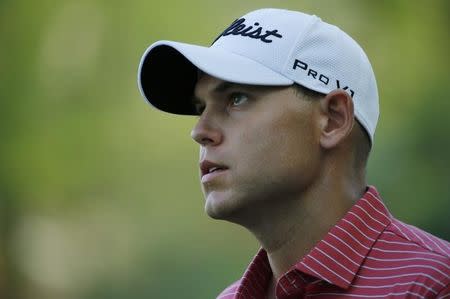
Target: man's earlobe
337 109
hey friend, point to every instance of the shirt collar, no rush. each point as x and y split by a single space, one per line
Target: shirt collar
339 255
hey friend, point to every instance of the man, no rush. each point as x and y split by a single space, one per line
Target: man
287 107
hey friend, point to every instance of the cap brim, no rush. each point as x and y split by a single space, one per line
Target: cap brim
168 73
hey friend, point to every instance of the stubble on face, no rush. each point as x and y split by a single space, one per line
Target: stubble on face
272 154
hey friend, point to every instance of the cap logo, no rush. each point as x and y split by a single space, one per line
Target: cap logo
256 31
298 64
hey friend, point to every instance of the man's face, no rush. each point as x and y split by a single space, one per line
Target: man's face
258 146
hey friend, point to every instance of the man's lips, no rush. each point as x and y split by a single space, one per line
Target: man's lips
209 170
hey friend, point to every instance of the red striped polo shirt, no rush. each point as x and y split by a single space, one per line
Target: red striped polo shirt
367 254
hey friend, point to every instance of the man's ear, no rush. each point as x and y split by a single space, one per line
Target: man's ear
337 118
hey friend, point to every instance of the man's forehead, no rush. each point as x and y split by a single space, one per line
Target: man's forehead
207 84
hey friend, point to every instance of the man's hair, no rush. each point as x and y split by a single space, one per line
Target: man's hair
307 93
360 137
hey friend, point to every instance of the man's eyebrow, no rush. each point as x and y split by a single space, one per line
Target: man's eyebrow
223 86
226 85
220 88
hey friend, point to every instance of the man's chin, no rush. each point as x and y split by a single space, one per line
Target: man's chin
219 206
225 206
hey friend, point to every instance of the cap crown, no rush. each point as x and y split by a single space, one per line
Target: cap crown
308 51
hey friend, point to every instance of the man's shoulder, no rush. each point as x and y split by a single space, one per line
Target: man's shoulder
405 250
231 291
401 235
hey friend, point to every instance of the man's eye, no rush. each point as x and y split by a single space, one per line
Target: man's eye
199 108
238 99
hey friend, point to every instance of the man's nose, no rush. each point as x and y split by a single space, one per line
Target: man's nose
206 132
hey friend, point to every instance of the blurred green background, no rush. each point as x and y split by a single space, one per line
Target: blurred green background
99 193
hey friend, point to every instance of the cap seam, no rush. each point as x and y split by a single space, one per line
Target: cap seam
300 37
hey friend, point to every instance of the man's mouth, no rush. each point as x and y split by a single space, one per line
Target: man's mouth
215 169
210 169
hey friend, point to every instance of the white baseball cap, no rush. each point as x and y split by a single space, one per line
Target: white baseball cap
268 46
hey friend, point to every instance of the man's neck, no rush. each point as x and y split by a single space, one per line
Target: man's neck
294 228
